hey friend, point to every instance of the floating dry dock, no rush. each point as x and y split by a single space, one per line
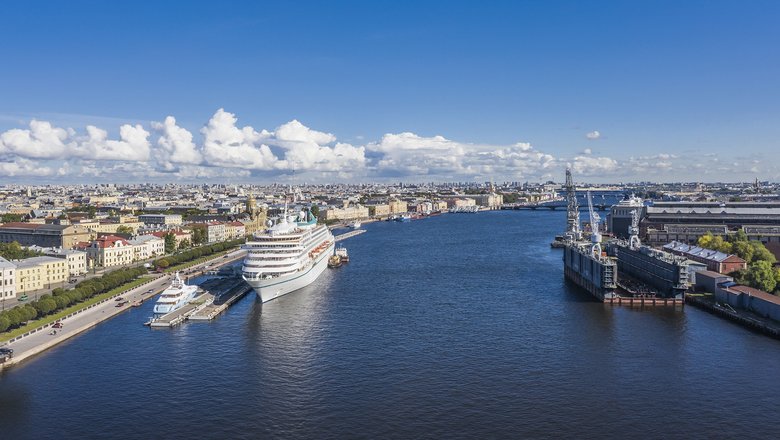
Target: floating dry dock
214 297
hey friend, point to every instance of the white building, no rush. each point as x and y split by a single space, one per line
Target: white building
147 246
77 260
7 279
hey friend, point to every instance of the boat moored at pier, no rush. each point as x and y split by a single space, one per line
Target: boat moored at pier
287 256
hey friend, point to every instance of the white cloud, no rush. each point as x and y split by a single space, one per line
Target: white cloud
594 166
176 145
593 135
587 151
41 141
23 167
226 145
410 154
307 149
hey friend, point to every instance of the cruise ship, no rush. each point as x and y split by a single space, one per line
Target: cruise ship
287 256
174 297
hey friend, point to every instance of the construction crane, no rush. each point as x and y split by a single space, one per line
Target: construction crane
572 210
633 230
595 235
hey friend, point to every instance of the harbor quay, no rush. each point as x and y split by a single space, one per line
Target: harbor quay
45 337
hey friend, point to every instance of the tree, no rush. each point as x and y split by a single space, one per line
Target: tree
4 322
124 230
739 236
706 240
761 253
744 250
170 243
315 210
162 263
199 235
185 244
761 275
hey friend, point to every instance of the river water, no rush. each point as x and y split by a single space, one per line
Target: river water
457 326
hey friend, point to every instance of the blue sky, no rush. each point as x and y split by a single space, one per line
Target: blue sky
667 85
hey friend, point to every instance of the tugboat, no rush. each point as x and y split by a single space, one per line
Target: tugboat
342 252
334 261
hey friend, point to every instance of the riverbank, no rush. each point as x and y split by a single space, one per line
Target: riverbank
41 339
742 317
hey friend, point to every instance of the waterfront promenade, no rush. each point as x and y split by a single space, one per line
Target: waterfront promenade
42 340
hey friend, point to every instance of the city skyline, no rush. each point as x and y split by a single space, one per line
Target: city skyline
354 93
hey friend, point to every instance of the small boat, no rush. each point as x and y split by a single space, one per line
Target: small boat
403 218
355 225
342 252
334 261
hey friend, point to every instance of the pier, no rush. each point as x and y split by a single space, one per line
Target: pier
217 295
349 234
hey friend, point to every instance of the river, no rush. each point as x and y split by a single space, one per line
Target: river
456 326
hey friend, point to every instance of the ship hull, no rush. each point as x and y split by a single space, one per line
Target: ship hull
276 287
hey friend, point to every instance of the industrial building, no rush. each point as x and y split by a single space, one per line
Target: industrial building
716 261
685 222
43 235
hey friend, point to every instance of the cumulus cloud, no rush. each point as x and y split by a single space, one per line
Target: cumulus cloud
41 141
594 166
410 154
223 150
226 145
24 167
176 145
308 149
593 135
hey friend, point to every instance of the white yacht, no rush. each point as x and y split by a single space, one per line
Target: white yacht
287 256
356 224
174 297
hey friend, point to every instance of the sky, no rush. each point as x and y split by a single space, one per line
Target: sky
415 91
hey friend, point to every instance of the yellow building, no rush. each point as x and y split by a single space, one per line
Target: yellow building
398 206
40 272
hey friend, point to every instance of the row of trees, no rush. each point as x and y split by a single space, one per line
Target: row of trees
61 298
15 251
760 273
193 254
738 243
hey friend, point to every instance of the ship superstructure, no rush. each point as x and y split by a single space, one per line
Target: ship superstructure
288 255
175 296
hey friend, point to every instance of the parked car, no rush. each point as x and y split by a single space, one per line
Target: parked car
119 299
57 324
6 350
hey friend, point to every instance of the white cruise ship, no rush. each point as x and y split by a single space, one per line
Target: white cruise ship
174 297
287 256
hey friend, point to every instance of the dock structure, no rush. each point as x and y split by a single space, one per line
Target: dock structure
231 291
218 294
349 234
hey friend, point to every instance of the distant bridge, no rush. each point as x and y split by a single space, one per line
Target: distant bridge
551 206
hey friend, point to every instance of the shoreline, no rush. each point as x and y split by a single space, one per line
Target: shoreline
40 340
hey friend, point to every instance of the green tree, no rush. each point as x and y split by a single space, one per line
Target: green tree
706 240
199 235
5 323
162 263
739 236
761 253
124 230
185 244
761 275
744 250
170 243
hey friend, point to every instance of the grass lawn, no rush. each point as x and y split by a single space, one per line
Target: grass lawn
66 311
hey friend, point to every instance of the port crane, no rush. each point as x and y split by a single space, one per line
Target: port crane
595 235
572 210
633 230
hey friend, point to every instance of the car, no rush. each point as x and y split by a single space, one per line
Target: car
23 297
150 291
57 325
6 350
119 299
